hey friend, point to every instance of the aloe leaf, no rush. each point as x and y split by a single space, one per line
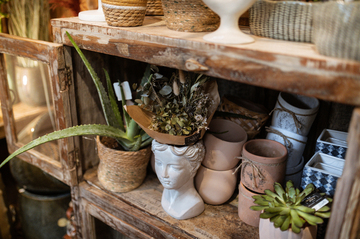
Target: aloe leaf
132 130
137 145
101 130
113 101
146 142
104 99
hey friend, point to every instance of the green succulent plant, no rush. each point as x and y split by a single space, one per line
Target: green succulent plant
284 209
129 134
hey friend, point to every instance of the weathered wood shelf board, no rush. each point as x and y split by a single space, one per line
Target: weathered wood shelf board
275 64
142 206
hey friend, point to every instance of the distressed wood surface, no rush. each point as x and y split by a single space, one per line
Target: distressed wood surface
116 223
345 215
280 65
215 222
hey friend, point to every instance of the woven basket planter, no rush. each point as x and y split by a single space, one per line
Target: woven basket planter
337 29
258 113
284 20
189 16
121 171
154 8
124 13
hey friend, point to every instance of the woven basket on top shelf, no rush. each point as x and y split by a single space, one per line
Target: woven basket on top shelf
337 29
189 16
124 13
154 8
284 20
258 113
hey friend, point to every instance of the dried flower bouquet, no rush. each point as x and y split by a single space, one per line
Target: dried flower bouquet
175 110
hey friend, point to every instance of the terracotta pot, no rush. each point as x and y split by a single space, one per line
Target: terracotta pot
295 113
263 164
124 13
215 187
247 215
121 171
294 143
222 149
267 230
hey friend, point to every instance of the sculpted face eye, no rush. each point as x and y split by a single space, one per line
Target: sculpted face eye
176 167
158 162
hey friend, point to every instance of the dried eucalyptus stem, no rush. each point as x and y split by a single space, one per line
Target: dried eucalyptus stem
30 19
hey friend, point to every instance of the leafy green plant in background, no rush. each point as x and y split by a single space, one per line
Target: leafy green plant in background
284 209
129 135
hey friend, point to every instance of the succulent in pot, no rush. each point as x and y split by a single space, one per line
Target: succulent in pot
285 211
123 129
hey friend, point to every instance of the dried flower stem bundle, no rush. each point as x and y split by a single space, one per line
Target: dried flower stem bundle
180 103
30 19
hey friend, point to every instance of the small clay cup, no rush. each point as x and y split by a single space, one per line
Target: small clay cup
222 149
263 164
215 187
247 215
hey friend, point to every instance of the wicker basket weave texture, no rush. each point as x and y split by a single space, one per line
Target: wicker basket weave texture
284 20
337 29
189 16
154 8
121 171
258 113
124 13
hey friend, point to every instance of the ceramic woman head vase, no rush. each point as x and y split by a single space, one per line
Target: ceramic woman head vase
176 168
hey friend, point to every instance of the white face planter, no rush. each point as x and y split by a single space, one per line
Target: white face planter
176 168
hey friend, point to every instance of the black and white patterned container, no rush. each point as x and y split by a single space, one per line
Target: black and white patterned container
323 171
332 142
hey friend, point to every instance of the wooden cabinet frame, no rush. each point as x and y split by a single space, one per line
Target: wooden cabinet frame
284 66
53 55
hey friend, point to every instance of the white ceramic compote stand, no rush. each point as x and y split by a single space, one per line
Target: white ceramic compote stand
93 15
229 12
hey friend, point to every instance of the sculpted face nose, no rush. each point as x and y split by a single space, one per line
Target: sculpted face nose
164 171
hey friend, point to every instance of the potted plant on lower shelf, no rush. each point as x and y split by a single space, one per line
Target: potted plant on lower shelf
123 148
176 111
286 213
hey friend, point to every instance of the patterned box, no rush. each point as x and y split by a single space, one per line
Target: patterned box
323 171
332 142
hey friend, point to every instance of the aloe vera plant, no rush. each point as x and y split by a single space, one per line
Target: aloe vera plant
284 209
129 134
